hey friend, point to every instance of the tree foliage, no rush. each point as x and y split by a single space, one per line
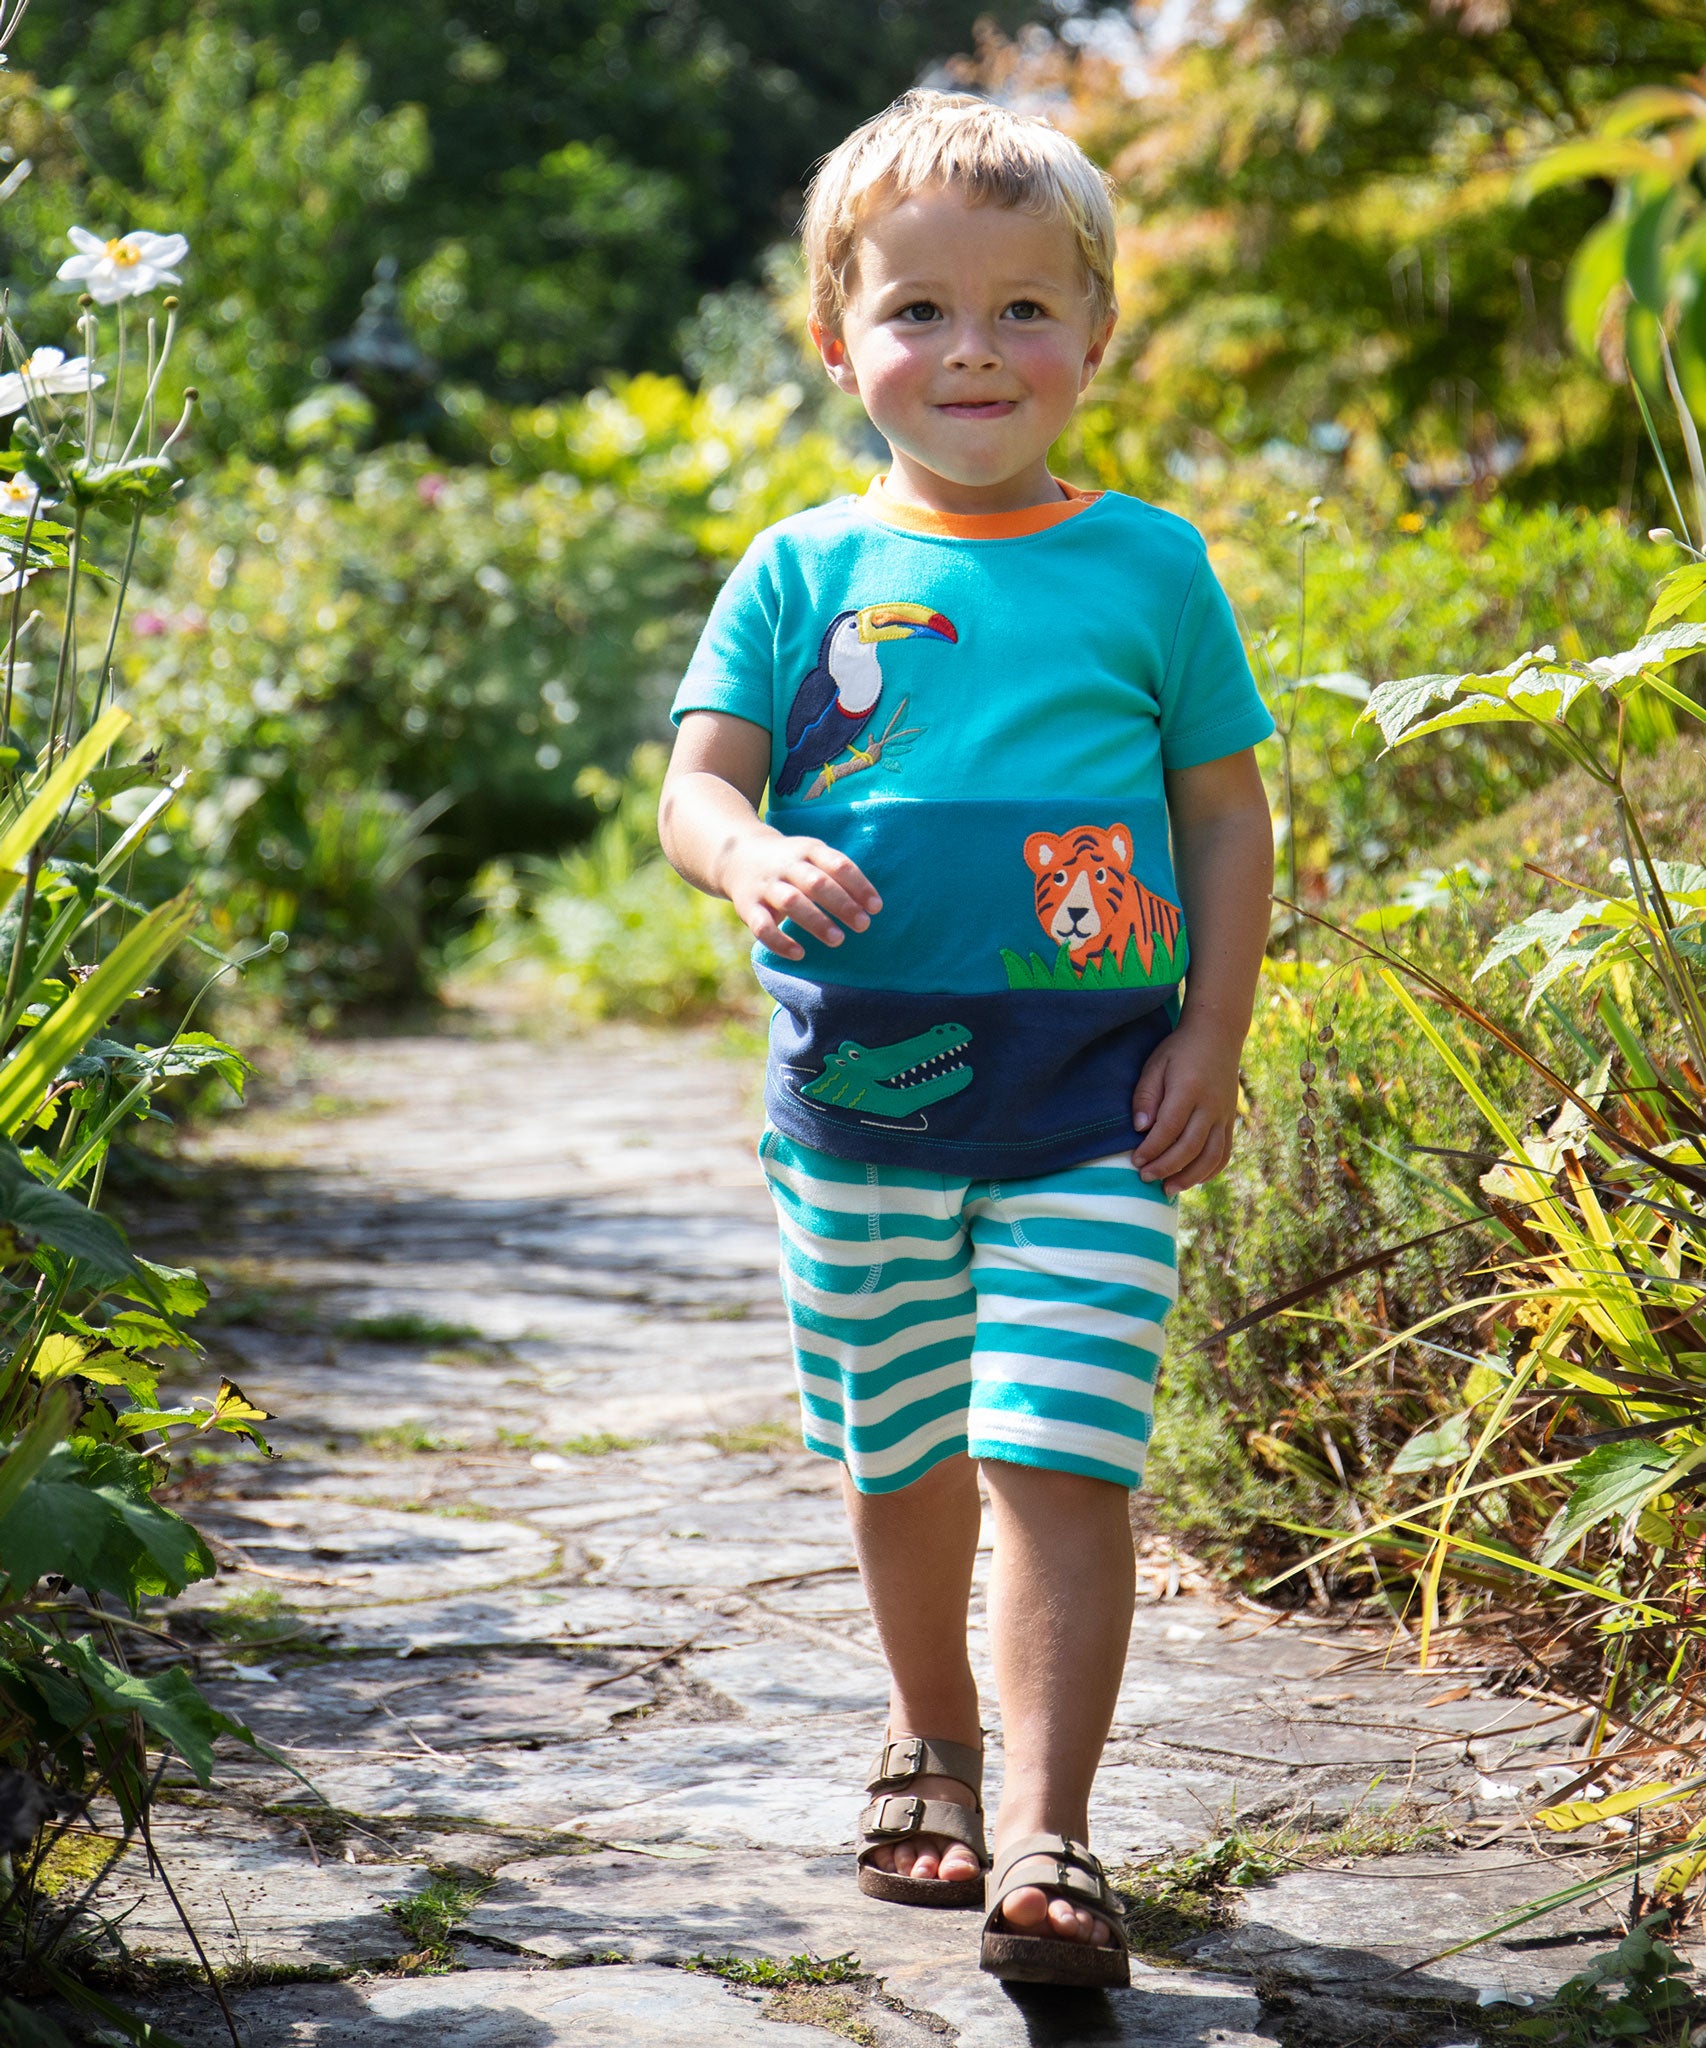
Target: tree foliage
1322 232
560 182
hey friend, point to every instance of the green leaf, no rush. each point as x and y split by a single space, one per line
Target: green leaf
1609 157
1551 930
1678 594
138 485
174 1290
1660 650
169 1704
1610 1481
1445 1443
55 1412
1596 271
59 1219
1683 881
26 1075
106 783
87 1516
38 813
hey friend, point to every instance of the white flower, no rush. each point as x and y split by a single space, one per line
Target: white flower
14 579
18 497
123 268
45 374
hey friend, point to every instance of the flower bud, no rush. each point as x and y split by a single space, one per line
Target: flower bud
1662 534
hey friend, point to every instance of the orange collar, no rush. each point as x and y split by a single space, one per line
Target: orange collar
978 525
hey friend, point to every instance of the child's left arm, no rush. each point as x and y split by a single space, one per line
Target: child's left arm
1186 1098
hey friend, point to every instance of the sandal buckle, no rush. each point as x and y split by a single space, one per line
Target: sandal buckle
903 1759
912 1810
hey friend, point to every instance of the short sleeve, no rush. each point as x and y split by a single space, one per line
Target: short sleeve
734 665
1210 706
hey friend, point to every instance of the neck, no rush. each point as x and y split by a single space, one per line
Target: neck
910 483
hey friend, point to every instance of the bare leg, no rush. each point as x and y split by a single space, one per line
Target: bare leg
1060 1618
916 1549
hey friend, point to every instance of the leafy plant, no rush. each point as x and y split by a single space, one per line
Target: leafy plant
85 1442
1657 2003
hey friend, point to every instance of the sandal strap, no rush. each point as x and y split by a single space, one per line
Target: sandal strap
895 1816
905 1757
1060 1867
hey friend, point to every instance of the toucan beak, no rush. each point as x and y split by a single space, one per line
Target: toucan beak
904 622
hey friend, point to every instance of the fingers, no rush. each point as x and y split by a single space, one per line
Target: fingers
1168 1121
1208 1162
1201 1149
1146 1096
814 887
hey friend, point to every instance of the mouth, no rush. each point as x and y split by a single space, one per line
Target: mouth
980 409
932 1069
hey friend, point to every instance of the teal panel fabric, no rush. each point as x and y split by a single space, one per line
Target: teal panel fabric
985 726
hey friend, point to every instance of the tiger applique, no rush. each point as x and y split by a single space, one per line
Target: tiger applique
1089 901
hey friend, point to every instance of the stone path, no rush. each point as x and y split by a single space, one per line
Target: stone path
560 1631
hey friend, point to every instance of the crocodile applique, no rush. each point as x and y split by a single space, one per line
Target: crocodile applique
894 1081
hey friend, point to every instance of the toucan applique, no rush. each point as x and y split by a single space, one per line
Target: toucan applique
834 704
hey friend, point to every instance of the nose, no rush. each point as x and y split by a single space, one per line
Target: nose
971 348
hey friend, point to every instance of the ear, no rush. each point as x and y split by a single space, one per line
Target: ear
833 349
1039 851
1097 350
1120 840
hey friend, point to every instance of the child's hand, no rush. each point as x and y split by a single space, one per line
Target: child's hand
1184 1107
768 877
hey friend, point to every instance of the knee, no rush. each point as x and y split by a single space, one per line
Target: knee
1039 1489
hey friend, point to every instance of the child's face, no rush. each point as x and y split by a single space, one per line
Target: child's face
967 335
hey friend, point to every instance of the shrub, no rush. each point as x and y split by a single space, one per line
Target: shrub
612 928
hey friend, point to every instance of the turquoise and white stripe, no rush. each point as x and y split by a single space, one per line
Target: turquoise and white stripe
936 1317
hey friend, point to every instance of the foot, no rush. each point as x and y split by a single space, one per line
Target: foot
929 1856
1028 1910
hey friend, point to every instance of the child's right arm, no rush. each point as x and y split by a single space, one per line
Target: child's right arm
714 838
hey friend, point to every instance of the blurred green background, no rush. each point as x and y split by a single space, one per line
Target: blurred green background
421 607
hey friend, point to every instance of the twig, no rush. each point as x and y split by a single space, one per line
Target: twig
663 1657
828 776
213 1982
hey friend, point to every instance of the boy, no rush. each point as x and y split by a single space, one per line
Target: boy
997 716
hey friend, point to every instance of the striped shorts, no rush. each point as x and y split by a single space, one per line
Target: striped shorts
935 1317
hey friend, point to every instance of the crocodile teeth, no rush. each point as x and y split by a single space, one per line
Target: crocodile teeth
932 1069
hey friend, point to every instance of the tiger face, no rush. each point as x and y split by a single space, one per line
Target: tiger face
1083 880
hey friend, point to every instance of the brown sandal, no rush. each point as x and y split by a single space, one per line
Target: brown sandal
894 1815
1064 1869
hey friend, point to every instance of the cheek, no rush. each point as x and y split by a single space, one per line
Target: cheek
888 362
1048 363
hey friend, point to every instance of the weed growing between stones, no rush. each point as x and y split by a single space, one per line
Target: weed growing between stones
598 1444
816 2005
775 1434
1170 1901
769 1975
430 1916
406 1440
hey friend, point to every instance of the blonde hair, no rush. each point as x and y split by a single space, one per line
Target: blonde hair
990 154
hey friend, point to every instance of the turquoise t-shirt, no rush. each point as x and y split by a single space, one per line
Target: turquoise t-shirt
980 713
